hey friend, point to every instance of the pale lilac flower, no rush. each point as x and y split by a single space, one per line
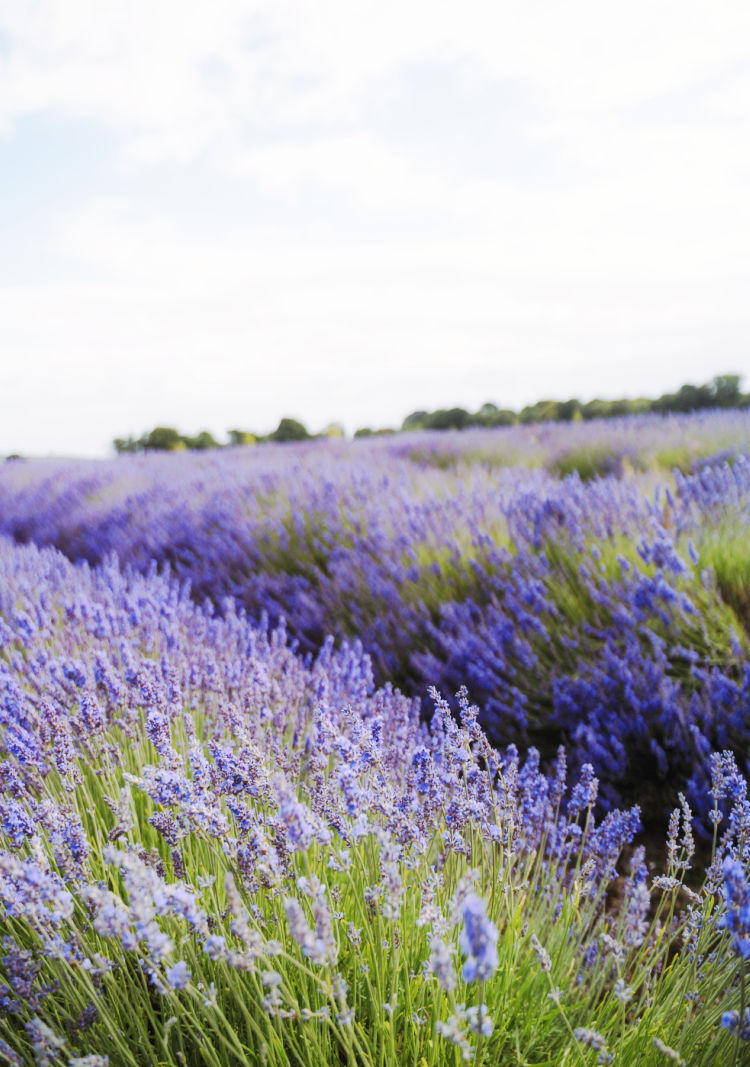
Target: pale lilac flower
440 963
178 976
596 1041
736 916
45 1042
478 1020
454 1030
541 953
478 940
670 1053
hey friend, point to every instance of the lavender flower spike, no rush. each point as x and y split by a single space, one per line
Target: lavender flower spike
478 940
178 976
736 918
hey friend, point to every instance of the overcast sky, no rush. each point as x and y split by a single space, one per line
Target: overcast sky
215 214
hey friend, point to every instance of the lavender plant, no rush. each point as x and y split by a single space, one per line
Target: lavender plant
609 615
218 851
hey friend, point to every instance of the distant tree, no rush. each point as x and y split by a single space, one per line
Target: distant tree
201 442
693 398
617 408
416 421
491 415
567 410
486 415
289 430
725 390
126 444
506 417
450 419
367 431
687 398
542 411
163 439
596 409
241 437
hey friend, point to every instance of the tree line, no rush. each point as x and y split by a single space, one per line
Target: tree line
167 439
722 391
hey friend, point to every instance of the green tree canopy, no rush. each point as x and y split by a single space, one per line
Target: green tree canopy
289 430
163 439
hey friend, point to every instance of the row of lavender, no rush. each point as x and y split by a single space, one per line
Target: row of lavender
606 614
216 852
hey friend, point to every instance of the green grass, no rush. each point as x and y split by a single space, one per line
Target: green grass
726 552
220 1019
594 461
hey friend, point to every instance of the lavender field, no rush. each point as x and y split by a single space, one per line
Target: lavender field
423 749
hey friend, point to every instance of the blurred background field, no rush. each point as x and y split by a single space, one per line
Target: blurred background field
587 582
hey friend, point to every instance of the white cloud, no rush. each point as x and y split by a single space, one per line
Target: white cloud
197 74
581 217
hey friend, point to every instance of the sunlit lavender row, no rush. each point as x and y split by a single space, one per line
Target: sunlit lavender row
597 595
218 852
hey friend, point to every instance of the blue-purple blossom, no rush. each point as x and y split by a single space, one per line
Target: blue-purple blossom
276 746
440 963
736 916
46 1044
178 976
478 940
596 1041
732 1021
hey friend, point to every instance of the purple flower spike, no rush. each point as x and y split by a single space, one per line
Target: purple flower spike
736 919
178 976
478 940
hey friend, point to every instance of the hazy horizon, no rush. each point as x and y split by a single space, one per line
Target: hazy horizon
219 215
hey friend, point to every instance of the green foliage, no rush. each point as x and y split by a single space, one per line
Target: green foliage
564 961
722 391
542 411
289 430
727 554
492 415
367 431
241 437
415 421
164 439
725 391
588 463
202 442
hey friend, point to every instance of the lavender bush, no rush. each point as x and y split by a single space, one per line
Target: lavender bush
217 851
607 614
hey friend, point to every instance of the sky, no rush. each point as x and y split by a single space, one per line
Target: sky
213 215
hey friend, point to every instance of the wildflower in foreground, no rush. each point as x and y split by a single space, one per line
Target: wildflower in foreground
454 1030
730 1020
541 954
440 964
461 1023
178 976
44 1041
9 1054
670 1053
622 992
478 940
736 919
595 1041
